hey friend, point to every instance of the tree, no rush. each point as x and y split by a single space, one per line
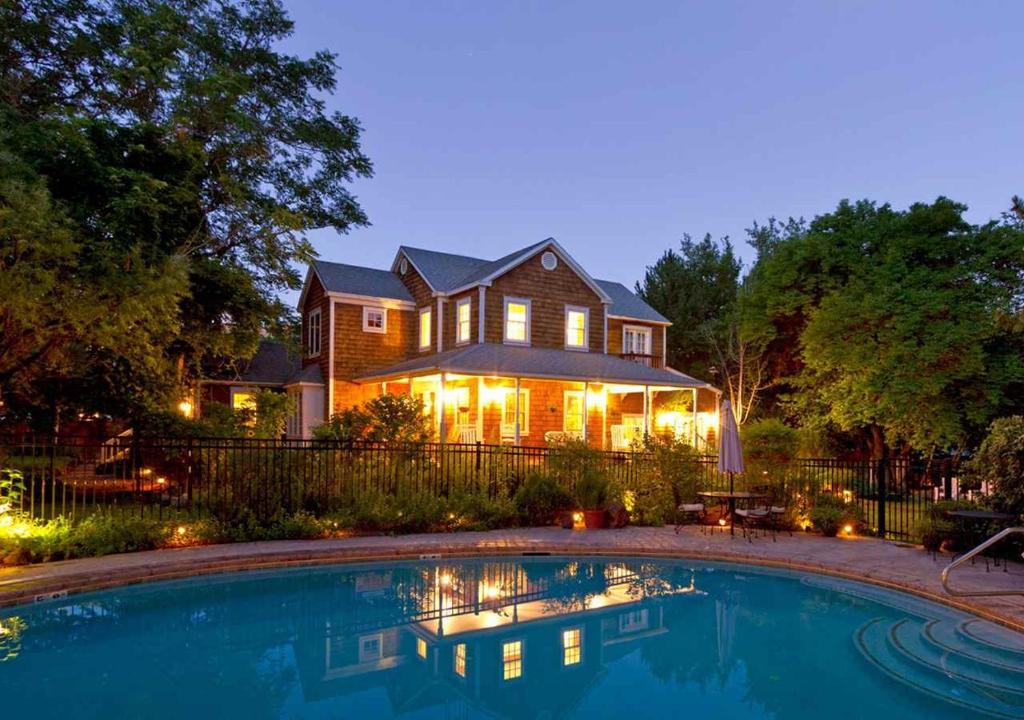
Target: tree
171 160
1017 207
694 288
894 323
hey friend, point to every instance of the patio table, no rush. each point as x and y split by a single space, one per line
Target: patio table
978 520
731 497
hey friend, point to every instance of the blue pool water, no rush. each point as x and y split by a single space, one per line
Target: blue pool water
507 638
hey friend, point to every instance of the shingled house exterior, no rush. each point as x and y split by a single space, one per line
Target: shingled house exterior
527 349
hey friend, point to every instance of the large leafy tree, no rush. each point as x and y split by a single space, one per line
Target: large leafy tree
902 325
163 162
695 288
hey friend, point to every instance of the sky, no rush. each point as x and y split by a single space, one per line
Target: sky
616 127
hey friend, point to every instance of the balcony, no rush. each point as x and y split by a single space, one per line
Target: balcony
651 361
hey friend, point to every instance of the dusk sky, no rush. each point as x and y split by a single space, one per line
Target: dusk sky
616 127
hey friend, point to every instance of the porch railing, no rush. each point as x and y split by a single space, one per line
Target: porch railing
651 361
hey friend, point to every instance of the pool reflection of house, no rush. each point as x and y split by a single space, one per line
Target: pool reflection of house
498 637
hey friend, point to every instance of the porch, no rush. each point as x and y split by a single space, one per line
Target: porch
536 397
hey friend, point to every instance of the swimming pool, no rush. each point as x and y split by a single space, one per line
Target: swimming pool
507 637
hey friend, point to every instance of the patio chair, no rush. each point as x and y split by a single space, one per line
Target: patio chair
690 512
751 519
620 441
467 434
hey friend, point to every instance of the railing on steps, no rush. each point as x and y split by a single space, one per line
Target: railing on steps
994 540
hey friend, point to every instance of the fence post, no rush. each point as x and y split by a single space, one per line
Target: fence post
881 474
478 456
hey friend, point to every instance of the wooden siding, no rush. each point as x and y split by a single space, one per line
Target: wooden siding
549 292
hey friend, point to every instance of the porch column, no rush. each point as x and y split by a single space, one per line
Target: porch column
440 409
586 411
647 412
517 411
695 418
480 409
384 388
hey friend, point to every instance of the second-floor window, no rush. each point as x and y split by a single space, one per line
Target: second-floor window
375 320
426 318
576 322
636 340
517 321
463 327
313 333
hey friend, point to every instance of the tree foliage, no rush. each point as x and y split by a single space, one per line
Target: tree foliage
902 324
163 161
694 288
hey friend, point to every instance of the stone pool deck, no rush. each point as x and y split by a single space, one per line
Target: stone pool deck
880 562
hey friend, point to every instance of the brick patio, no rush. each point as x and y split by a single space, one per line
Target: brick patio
885 563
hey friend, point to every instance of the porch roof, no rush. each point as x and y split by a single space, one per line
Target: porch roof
491 359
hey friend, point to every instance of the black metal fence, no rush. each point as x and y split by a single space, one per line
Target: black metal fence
162 477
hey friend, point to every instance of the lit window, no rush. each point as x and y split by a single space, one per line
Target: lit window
244 403
512 660
375 320
460 660
313 333
421 647
571 646
508 413
517 321
425 323
370 649
636 340
573 411
462 324
576 321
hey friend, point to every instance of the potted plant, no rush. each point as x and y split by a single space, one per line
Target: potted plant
592 494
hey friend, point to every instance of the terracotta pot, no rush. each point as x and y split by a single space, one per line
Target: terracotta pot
593 519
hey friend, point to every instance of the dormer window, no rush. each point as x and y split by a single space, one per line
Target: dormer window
375 320
313 333
577 321
426 319
517 321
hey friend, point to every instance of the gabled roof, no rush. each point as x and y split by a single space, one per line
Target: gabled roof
629 305
446 273
356 280
490 359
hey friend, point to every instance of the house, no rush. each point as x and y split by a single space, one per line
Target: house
527 349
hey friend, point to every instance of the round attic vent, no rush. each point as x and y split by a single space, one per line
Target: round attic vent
549 261
403 267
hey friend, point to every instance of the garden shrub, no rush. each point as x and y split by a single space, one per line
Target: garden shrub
105 533
830 513
1000 462
540 499
671 477
592 488
386 418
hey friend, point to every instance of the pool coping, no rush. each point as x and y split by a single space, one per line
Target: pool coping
171 566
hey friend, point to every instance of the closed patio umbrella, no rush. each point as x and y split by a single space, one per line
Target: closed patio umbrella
730 451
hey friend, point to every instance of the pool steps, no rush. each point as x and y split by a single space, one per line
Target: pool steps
937 658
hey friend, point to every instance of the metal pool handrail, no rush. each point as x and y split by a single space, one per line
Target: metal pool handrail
972 553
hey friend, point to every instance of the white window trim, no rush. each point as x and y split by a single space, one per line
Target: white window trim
585 347
318 315
561 637
383 329
419 329
459 340
640 329
522 658
524 429
504 324
566 394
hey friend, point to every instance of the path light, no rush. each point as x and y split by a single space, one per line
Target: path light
721 521
161 481
577 517
848 529
185 407
182 530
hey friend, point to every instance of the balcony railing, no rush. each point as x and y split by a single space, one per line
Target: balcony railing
651 361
